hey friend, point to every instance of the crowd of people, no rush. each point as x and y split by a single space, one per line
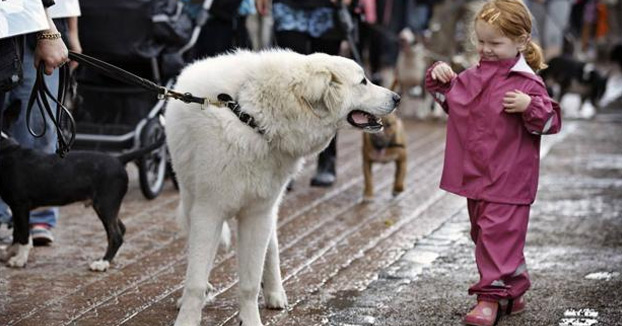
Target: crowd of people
511 38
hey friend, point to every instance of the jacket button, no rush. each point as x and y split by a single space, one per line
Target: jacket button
15 78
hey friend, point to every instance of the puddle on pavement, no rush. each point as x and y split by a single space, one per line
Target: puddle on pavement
602 276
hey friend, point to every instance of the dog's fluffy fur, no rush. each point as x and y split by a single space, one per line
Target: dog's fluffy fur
227 169
385 147
31 179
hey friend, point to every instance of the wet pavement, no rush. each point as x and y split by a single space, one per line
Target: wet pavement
394 261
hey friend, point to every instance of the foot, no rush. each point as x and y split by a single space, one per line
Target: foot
484 314
275 298
323 179
17 254
41 235
99 266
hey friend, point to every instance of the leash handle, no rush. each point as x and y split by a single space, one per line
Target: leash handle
40 94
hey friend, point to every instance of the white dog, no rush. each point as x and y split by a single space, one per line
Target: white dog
230 166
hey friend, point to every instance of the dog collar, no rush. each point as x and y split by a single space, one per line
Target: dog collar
234 106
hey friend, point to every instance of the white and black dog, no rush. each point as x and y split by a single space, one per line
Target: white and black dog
31 179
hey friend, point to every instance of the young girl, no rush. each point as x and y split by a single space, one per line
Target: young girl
497 112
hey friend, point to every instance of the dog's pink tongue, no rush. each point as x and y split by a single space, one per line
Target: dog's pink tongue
359 118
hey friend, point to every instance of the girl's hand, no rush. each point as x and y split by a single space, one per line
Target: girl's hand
516 101
443 72
262 6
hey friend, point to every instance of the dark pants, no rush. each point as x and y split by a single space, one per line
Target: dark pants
304 44
2 110
219 36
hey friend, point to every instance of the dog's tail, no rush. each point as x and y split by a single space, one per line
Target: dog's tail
130 156
184 223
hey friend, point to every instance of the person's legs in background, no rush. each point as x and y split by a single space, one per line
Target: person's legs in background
538 11
15 103
555 25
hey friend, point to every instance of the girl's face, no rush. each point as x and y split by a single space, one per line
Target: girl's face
492 45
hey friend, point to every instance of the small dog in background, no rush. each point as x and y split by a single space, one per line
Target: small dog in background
410 68
567 75
383 147
411 63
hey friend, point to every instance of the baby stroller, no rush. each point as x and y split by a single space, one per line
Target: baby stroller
147 38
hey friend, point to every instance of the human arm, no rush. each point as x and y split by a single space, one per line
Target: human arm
438 82
540 114
73 38
51 52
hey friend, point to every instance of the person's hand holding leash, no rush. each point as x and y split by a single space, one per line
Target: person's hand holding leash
516 101
50 50
443 72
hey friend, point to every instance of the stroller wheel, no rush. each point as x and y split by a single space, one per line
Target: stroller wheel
152 166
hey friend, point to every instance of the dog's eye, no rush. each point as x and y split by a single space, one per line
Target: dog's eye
364 81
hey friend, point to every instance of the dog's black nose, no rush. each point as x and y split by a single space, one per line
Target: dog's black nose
396 99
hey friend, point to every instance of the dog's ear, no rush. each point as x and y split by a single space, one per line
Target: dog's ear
319 91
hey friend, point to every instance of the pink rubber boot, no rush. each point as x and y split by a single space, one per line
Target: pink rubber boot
484 314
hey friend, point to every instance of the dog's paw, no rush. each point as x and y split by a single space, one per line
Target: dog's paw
17 261
185 320
17 254
368 198
209 296
99 266
252 321
275 299
397 190
189 315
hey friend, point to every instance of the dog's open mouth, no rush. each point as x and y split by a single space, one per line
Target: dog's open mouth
366 121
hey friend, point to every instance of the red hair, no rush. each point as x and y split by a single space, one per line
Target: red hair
513 20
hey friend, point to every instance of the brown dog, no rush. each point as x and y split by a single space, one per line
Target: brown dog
386 146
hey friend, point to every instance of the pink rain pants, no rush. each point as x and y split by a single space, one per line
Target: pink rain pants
499 231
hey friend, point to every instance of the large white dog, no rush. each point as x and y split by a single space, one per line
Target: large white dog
232 164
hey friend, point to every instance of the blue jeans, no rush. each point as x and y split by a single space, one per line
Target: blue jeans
18 129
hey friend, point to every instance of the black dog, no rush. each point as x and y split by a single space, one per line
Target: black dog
31 179
574 76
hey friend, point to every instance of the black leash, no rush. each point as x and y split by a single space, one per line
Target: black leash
40 94
163 92
122 75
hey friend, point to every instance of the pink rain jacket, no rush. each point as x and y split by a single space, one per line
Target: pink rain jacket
492 155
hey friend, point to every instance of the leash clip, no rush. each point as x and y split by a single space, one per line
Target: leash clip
163 93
